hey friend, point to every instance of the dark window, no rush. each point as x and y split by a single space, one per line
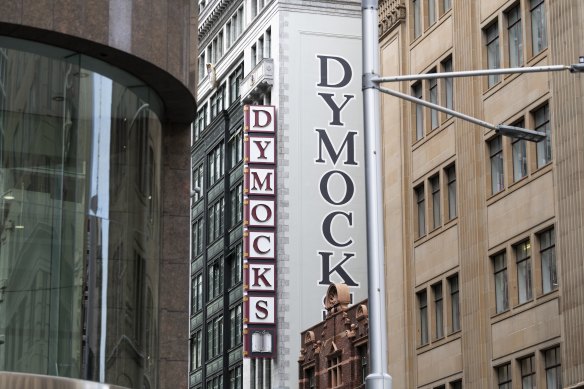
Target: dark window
214 279
519 151
419 118
547 252
235 326
515 36
454 303
501 287
196 293
497 172
421 210
524 284
435 187
438 310
236 198
423 315
215 337
493 55
527 372
504 376
196 350
542 123
553 371
538 26
451 186
216 164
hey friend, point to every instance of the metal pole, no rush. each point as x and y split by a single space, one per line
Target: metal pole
378 377
474 73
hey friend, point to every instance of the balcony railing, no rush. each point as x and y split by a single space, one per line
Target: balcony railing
258 81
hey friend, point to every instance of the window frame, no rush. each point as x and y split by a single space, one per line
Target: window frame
544 249
514 36
497 159
524 265
537 14
420 199
438 311
422 299
493 51
502 270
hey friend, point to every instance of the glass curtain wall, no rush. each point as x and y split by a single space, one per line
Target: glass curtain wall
80 161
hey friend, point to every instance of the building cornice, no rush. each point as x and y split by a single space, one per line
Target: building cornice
391 14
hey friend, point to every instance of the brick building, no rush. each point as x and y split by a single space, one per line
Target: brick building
334 353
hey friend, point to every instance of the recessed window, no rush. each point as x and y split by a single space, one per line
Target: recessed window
197 238
450 173
501 282
431 12
423 316
527 366
421 210
446 5
197 293
497 168
215 337
538 26
216 165
235 326
504 378
417 6
215 279
197 183
524 277
435 187
553 371
448 84
433 94
215 220
515 37
493 54
454 303
236 377
519 151
541 118
335 371
438 310
419 116
236 197
547 252
236 266
196 350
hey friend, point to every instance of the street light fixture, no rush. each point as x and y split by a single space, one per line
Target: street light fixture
520 133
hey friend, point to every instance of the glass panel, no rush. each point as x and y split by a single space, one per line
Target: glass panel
538 26
80 172
515 36
493 55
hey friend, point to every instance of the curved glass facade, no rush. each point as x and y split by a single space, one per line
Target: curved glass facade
80 187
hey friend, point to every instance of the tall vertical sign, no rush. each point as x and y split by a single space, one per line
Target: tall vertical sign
259 234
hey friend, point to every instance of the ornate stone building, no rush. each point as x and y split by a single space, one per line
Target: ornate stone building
334 352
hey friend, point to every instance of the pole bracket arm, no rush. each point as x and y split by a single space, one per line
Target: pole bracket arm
370 80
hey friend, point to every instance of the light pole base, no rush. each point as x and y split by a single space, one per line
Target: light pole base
378 381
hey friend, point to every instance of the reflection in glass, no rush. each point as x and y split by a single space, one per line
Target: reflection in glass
80 151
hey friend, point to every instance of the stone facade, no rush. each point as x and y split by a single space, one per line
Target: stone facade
334 352
471 226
